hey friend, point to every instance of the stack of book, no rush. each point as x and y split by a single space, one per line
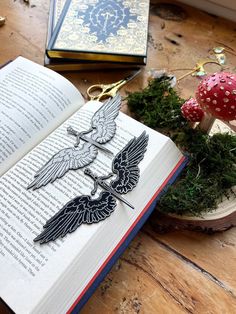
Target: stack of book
97 34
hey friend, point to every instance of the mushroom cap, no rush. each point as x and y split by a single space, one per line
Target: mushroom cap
191 110
216 94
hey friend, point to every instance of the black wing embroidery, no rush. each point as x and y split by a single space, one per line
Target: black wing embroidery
103 129
81 209
125 164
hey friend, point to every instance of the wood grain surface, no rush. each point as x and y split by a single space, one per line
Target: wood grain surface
178 272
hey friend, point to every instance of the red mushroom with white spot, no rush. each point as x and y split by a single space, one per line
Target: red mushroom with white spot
191 111
216 94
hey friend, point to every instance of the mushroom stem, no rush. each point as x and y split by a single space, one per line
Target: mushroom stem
206 122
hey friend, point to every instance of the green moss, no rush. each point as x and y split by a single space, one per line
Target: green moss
158 105
211 171
209 176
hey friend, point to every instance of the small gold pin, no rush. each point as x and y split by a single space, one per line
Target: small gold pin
199 69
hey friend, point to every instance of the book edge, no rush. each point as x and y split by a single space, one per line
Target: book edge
55 53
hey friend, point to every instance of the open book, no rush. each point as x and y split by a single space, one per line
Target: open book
36 107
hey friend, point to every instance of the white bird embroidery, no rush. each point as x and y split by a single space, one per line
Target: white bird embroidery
103 128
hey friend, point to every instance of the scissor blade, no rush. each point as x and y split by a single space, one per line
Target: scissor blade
130 77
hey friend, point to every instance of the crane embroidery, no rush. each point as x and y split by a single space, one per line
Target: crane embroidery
84 209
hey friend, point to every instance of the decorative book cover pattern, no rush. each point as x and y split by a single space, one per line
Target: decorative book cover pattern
105 26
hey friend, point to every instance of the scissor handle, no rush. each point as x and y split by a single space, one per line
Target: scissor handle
104 90
98 88
111 90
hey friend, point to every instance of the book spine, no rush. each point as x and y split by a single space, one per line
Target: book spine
58 25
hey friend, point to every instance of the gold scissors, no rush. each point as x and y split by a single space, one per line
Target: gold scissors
102 91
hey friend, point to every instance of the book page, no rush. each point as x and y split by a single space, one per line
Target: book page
33 102
30 271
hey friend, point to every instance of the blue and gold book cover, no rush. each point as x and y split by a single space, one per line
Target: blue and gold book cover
97 28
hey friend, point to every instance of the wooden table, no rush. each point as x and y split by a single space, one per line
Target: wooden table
181 272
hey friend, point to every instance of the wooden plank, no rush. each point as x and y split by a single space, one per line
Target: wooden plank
24 32
214 254
150 278
131 290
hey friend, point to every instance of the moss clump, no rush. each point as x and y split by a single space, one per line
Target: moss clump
211 171
158 106
210 174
